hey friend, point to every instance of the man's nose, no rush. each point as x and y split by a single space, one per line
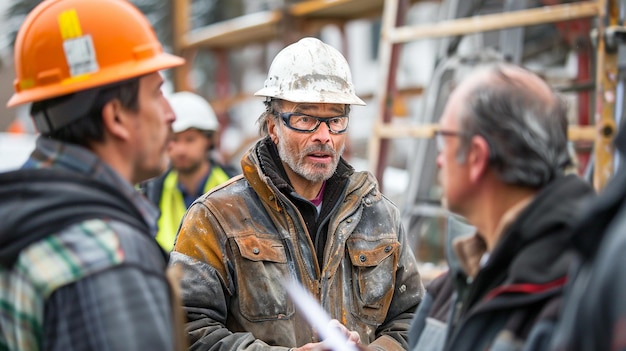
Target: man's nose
322 133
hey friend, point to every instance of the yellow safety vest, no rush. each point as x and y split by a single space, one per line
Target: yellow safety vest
173 206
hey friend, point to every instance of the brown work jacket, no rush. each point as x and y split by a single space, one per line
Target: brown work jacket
240 241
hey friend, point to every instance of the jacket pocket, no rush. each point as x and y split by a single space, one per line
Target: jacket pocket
261 268
374 272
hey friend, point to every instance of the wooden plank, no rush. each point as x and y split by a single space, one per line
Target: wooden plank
344 9
396 131
582 133
375 148
606 75
264 26
180 17
484 23
254 28
403 93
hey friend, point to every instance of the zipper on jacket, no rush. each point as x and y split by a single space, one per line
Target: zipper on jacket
293 216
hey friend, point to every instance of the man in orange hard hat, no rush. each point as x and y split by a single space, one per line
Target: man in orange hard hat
79 266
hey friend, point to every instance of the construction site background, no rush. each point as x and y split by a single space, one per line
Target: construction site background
227 76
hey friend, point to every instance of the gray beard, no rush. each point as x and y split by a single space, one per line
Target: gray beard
298 166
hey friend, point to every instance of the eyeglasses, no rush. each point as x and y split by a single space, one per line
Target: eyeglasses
304 123
439 134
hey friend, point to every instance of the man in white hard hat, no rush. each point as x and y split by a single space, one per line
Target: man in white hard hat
193 172
299 213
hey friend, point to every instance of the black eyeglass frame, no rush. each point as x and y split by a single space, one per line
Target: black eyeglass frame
286 117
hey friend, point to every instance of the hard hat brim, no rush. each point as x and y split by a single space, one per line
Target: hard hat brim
307 96
102 77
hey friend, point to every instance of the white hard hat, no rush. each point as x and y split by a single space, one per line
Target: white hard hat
192 111
310 71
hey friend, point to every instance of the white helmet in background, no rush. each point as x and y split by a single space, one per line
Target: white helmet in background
310 71
192 111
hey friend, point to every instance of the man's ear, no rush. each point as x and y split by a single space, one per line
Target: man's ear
115 120
271 129
478 157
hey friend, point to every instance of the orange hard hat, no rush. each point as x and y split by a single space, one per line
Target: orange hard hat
66 46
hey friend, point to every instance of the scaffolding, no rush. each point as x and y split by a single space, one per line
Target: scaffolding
394 34
308 17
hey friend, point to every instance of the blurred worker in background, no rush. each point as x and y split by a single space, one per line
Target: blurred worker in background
300 212
193 172
503 156
79 266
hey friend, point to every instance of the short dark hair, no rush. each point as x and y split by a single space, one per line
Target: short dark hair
526 132
89 128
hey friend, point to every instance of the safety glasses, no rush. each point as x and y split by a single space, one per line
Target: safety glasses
304 123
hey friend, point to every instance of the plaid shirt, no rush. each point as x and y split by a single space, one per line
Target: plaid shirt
96 285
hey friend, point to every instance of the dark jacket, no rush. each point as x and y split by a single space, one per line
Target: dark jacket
594 315
80 268
430 325
239 242
52 200
512 303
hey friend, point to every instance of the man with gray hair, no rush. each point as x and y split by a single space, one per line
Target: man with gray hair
299 212
503 157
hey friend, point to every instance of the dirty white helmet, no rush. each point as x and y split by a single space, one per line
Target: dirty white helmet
310 71
192 111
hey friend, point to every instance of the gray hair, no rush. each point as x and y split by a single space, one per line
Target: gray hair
272 108
526 131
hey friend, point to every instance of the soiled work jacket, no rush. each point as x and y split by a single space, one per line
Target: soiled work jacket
239 242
